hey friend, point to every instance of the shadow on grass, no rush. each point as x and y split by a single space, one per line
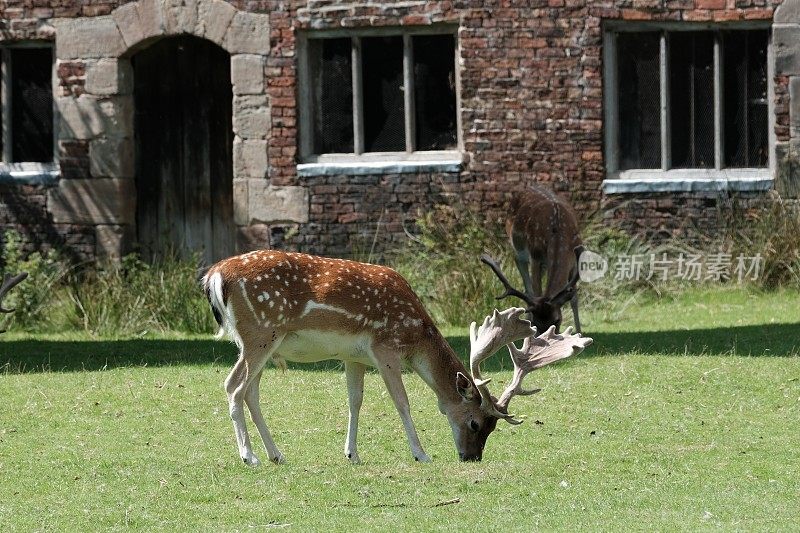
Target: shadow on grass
32 356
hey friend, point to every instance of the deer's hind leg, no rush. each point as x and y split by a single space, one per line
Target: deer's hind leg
245 372
251 398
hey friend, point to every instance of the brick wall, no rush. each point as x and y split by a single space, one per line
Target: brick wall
531 108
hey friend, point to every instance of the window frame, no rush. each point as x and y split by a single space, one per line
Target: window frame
681 179
28 171
394 160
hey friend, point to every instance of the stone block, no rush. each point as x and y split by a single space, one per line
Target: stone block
87 117
247 73
88 37
129 23
111 158
252 237
786 43
151 18
250 158
788 11
241 216
271 204
180 16
251 116
213 19
248 33
92 201
111 242
106 77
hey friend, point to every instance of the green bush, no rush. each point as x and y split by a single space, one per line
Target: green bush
32 299
129 298
442 263
136 298
771 231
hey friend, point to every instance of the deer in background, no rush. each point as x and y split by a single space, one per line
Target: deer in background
9 282
283 306
543 230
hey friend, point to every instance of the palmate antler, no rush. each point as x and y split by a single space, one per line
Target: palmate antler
503 328
498 330
9 282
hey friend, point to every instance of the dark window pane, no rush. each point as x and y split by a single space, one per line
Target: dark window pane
31 104
382 72
639 100
330 61
691 86
745 106
434 91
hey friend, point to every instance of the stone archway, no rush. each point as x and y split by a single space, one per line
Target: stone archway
101 119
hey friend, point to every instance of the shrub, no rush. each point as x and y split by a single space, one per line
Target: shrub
32 299
441 262
136 298
771 231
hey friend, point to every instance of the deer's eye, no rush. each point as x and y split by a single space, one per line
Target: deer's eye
474 426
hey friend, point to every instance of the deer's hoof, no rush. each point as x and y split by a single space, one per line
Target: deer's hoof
353 458
250 460
422 458
278 459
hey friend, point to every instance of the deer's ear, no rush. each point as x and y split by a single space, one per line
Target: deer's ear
464 387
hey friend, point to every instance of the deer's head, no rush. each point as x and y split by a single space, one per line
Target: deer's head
543 311
479 412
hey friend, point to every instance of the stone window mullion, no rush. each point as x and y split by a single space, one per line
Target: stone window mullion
358 101
5 89
666 147
408 93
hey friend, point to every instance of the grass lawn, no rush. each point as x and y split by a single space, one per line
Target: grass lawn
684 414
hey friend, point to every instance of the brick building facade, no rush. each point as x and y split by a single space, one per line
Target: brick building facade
542 91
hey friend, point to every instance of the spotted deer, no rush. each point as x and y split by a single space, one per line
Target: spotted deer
282 306
543 230
9 282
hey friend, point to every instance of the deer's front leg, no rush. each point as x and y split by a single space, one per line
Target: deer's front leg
354 373
529 270
574 304
389 366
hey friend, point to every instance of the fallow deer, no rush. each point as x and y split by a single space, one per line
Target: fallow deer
9 282
283 306
543 230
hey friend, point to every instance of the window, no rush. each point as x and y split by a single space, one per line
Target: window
392 94
687 100
26 113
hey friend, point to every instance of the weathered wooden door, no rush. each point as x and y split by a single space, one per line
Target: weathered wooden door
184 138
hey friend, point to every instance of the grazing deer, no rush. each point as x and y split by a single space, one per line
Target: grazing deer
283 306
543 230
9 282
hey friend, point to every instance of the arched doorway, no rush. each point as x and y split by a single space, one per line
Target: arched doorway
183 138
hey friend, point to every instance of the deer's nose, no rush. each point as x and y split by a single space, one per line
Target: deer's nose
467 457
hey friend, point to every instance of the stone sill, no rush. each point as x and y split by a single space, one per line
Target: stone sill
29 173
689 180
363 167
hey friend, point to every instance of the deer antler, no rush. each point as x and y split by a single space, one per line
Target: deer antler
537 352
497 330
9 282
510 291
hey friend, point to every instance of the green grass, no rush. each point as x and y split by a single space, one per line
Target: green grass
683 415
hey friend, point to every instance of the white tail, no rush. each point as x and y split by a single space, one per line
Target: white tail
294 307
